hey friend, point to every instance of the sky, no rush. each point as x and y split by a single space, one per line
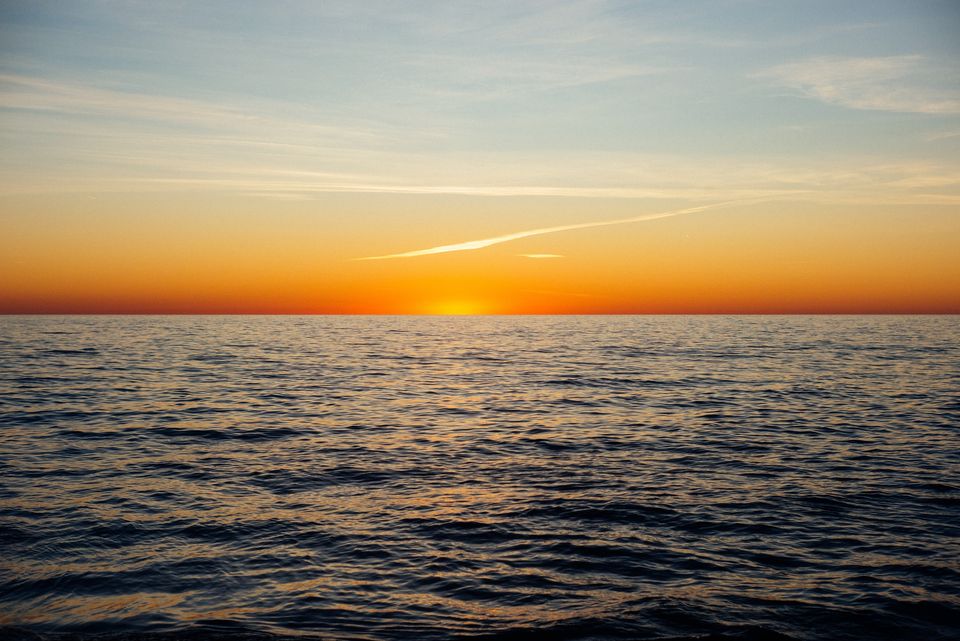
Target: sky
732 156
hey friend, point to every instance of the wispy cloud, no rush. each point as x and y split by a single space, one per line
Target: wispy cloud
127 160
503 76
496 240
41 95
892 83
943 135
69 136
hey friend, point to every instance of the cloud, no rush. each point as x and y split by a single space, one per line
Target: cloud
92 161
505 76
496 240
40 95
943 135
142 142
893 83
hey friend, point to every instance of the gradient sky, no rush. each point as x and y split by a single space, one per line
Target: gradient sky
241 156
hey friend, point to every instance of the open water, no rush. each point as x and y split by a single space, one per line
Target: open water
480 477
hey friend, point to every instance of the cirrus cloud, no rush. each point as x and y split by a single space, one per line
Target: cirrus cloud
909 83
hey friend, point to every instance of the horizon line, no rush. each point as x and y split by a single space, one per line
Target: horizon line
666 313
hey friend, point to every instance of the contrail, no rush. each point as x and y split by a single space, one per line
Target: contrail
496 240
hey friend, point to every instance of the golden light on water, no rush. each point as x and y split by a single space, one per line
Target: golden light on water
463 320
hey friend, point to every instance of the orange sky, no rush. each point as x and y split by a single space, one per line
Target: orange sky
203 253
224 157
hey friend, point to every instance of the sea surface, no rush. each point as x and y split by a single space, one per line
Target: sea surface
433 478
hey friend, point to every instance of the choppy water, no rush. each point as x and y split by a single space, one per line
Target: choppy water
502 477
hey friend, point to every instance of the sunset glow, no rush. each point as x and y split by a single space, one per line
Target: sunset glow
560 159
502 320
456 308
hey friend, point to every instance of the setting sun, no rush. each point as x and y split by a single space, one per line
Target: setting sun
456 307
456 320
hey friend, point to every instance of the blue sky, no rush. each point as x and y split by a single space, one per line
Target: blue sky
841 101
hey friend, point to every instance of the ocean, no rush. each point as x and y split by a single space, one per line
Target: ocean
434 478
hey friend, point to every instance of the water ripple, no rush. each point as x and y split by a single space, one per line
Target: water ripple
376 478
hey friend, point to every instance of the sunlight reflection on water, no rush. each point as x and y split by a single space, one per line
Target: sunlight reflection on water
397 477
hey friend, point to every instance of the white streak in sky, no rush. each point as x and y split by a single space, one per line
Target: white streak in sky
908 84
496 240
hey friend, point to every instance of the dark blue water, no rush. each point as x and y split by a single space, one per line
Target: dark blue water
492 477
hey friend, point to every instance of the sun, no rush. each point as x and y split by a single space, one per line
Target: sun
456 307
